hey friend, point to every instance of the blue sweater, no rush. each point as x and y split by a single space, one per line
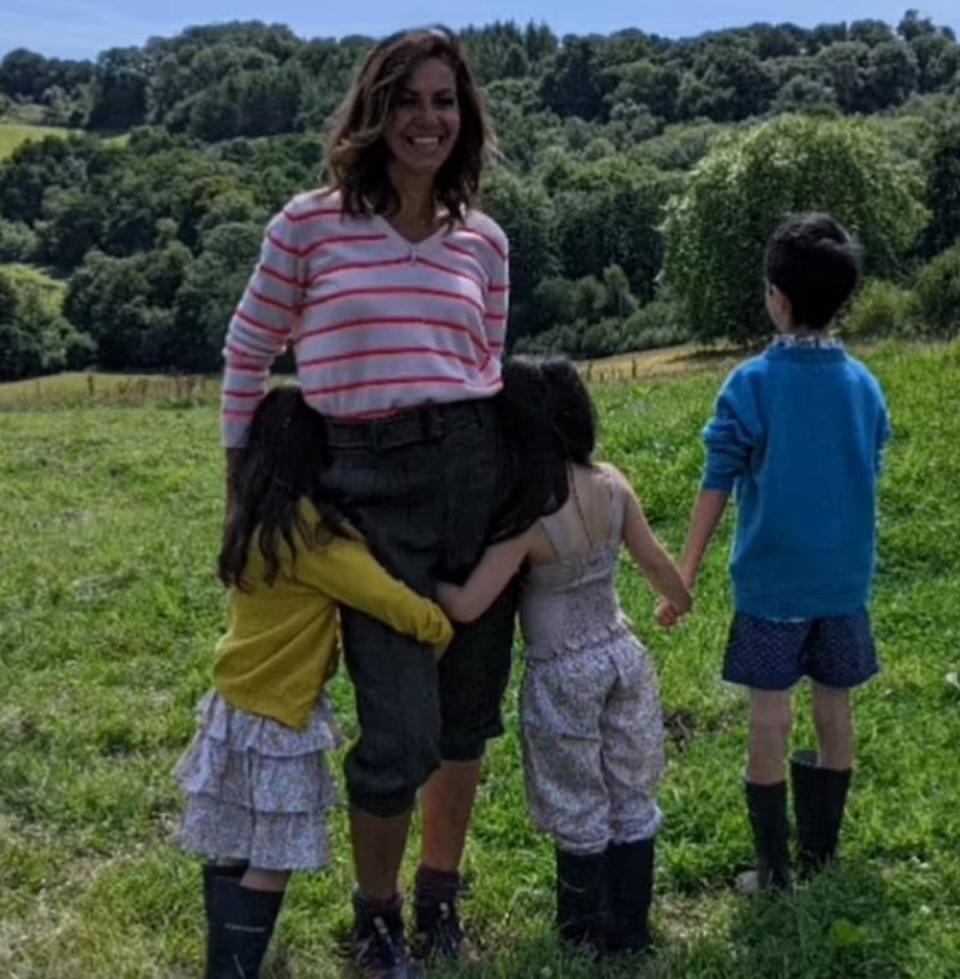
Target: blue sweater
797 435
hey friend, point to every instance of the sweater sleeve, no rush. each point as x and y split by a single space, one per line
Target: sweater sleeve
344 569
731 436
261 327
497 306
883 434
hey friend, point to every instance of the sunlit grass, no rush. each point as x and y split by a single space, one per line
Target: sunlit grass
14 134
109 611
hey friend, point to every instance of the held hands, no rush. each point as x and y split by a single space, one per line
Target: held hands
667 614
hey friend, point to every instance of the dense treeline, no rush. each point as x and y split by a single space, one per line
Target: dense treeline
220 82
635 181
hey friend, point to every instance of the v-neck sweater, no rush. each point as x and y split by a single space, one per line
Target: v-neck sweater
378 324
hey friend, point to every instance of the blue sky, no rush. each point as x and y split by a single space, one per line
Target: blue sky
82 28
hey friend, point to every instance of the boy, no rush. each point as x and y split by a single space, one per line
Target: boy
797 436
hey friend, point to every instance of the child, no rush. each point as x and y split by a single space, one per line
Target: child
797 436
590 715
256 775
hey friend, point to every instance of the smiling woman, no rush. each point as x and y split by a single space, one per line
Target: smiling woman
392 289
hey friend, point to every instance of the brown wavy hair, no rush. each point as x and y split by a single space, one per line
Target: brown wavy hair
357 155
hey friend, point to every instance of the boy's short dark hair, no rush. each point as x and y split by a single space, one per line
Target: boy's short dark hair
815 262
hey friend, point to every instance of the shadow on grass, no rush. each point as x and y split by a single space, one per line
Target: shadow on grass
845 923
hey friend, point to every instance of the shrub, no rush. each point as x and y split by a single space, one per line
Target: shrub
18 242
881 309
938 291
34 336
658 324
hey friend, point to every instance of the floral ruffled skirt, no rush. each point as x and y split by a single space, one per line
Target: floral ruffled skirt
258 791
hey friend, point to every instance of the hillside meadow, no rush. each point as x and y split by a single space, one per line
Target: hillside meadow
109 612
14 135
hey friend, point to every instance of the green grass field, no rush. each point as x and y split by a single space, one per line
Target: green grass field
109 612
12 134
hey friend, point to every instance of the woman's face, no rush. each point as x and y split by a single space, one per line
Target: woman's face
424 125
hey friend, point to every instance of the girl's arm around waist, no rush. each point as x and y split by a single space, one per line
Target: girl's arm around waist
344 569
464 603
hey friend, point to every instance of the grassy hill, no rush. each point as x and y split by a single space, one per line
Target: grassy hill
109 613
13 134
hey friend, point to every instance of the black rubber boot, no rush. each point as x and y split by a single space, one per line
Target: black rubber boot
210 872
835 787
242 925
808 809
629 892
819 799
767 807
581 898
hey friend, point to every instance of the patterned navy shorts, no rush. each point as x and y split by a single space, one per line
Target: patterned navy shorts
771 654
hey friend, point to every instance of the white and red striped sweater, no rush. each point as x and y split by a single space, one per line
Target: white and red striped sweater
378 324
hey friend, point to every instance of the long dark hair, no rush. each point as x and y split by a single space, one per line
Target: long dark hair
357 155
548 422
283 462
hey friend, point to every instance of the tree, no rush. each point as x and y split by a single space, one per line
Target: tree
893 74
120 91
539 41
716 231
551 305
618 301
938 61
609 214
824 35
802 92
248 103
72 225
847 67
126 305
780 41
34 336
573 86
18 242
913 26
645 83
23 74
729 83
943 190
208 294
588 299
34 167
523 209
870 32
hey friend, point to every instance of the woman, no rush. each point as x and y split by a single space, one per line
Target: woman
393 291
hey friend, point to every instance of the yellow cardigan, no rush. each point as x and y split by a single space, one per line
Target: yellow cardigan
281 644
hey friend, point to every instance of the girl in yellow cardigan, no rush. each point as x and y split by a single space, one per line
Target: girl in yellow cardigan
256 776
